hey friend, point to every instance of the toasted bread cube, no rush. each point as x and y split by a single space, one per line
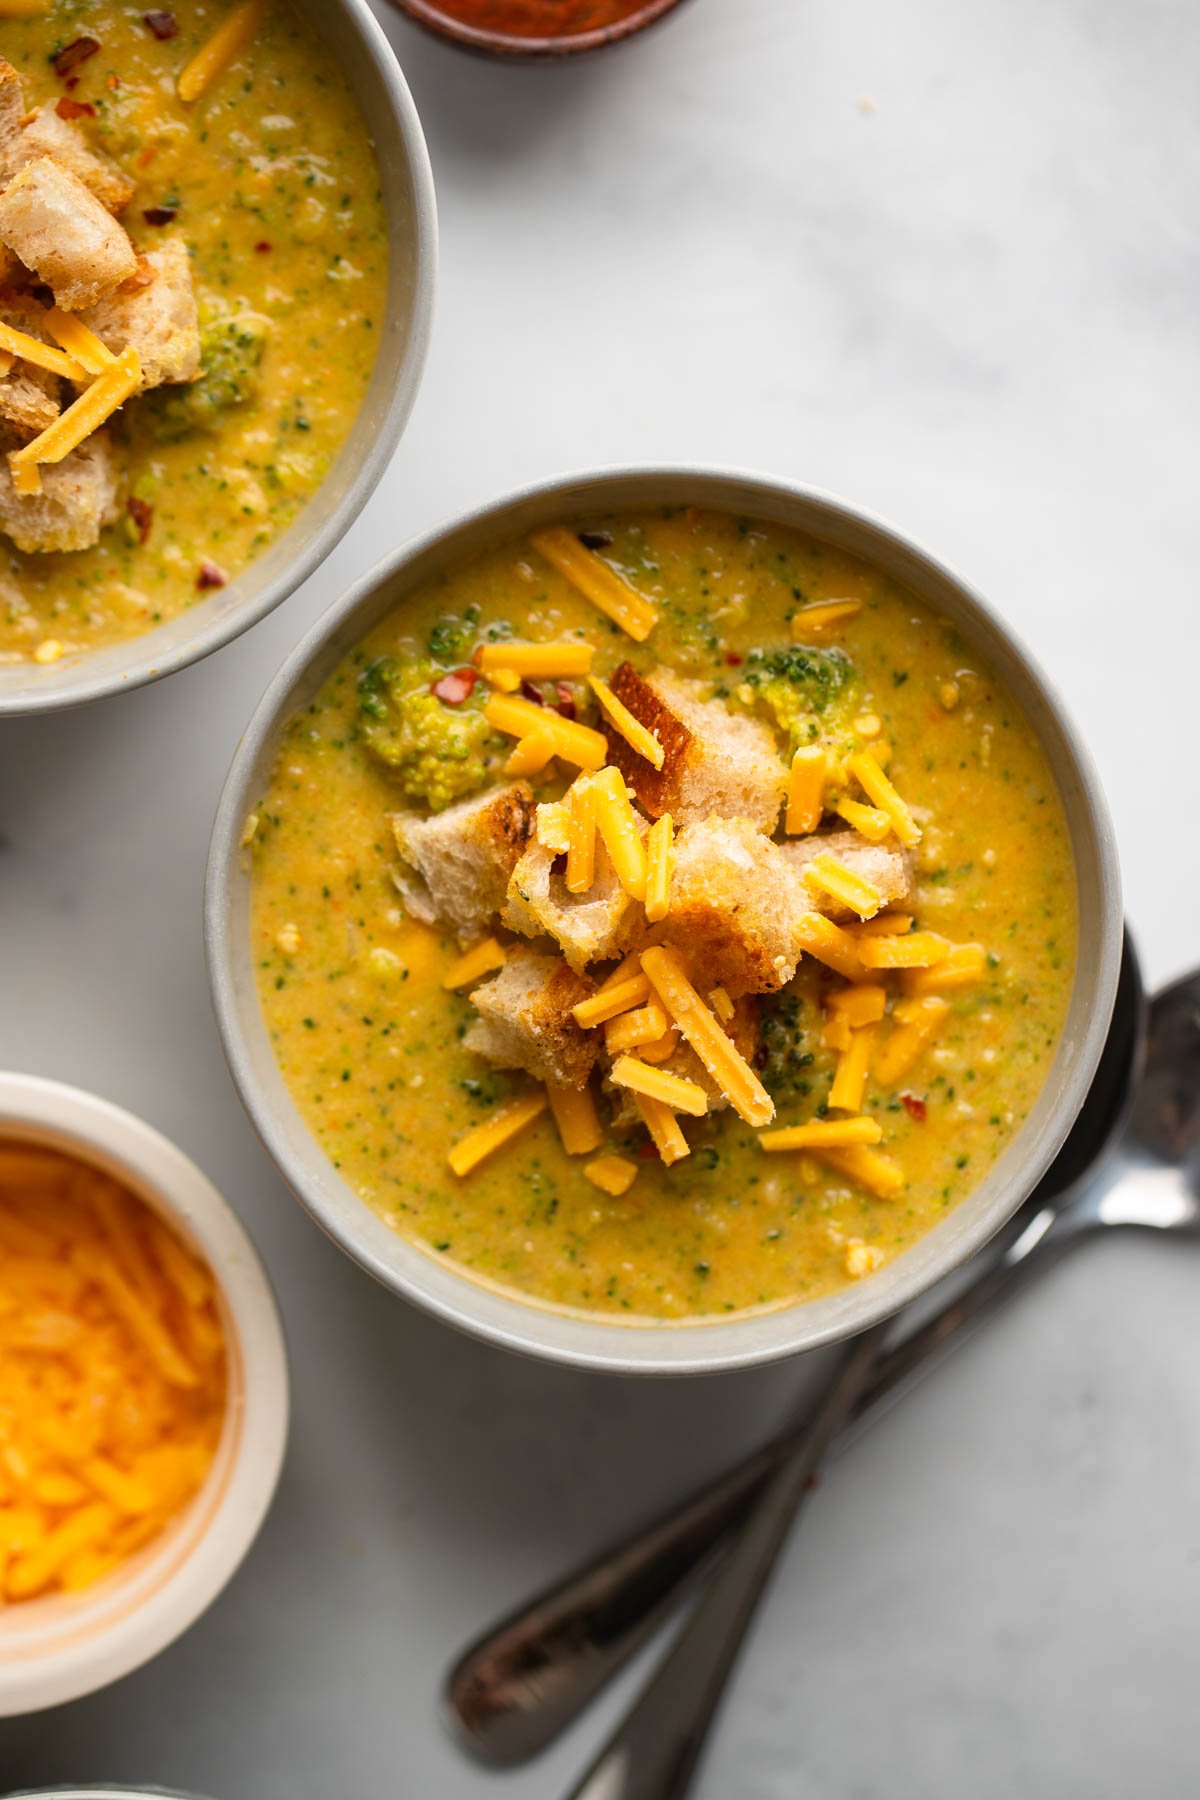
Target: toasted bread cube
526 1023
458 862
715 762
12 111
733 906
160 320
887 867
61 231
30 398
592 927
78 498
46 134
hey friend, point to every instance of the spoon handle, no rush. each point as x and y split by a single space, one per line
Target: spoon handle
653 1752
524 1680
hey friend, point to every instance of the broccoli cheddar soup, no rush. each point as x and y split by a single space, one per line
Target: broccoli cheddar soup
192 285
663 917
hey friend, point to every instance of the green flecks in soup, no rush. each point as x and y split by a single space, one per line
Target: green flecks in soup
372 1045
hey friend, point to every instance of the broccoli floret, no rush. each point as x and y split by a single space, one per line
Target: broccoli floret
452 636
231 353
437 752
797 682
783 1059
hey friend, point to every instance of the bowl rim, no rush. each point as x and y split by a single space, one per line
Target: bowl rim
143 666
160 1608
685 1347
509 47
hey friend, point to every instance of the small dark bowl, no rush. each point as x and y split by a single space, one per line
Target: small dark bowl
591 25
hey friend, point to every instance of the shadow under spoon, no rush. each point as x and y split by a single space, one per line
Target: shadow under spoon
527 1678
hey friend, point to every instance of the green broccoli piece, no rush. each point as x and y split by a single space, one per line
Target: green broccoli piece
783 1059
438 753
231 353
452 635
797 682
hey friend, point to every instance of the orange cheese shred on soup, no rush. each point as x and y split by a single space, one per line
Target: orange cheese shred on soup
112 1373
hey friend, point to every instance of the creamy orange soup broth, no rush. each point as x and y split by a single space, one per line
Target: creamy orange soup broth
371 1042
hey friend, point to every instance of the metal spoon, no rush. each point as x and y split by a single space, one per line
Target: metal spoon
524 1680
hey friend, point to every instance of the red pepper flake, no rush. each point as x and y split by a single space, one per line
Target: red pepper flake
263 249
732 659
530 692
566 699
211 577
72 55
915 1107
113 83
164 25
74 109
646 1152
159 215
142 514
453 689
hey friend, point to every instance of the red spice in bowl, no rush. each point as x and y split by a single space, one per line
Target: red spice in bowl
535 28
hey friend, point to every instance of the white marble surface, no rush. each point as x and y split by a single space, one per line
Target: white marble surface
974 310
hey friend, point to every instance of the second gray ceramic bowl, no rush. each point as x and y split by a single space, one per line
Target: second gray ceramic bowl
357 44
590 1342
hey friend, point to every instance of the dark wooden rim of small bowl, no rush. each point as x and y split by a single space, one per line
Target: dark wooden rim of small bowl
532 49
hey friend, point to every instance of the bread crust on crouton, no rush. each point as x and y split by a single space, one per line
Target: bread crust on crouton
715 762
526 1021
61 231
160 320
12 111
733 906
588 928
887 867
79 498
47 134
458 862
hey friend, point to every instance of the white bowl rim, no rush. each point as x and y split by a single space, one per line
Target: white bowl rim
53 1113
687 1347
144 665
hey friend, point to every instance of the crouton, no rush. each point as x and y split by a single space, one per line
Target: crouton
47 134
458 862
733 906
30 398
160 320
12 111
886 866
61 231
588 928
714 762
526 1022
78 498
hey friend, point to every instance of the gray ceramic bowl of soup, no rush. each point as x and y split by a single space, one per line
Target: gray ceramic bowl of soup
680 1345
353 41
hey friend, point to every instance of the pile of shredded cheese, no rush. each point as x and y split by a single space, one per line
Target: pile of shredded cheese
112 1373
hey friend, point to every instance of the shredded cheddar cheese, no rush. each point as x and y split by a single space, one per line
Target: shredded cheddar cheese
635 734
531 754
607 1002
821 938
806 790
519 718
663 1048
575 1116
481 959
629 1031
914 950
674 1091
666 1133
917 1024
833 877
703 1031
879 1174
854 1064
106 395
820 616
868 772
214 57
721 1004
43 356
863 1005
868 821
581 837
613 1175
823 1134
597 582
660 859
504 1125
892 924
536 662
79 341
617 825
963 966
112 1373
552 826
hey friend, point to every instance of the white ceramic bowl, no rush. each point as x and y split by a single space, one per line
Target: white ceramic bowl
356 42
59 1648
111 1793
587 1341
